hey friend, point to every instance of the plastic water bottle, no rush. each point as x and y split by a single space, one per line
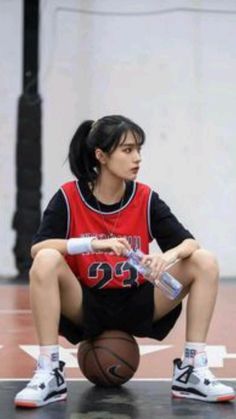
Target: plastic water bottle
167 283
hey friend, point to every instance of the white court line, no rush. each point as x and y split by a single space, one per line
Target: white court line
134 379
216 353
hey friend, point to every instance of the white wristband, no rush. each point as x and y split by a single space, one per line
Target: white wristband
79 245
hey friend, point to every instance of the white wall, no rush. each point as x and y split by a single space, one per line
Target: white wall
10 88
172 71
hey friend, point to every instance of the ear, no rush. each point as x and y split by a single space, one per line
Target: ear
100 156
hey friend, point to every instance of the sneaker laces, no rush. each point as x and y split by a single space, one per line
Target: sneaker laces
40 375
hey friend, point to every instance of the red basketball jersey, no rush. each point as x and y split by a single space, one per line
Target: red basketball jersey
105 269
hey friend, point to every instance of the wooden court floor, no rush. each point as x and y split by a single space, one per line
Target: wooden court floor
148 393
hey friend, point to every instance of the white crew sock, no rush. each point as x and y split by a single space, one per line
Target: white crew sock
48 357
191 349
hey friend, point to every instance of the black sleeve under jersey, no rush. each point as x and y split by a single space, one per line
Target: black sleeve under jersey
54 221
165 227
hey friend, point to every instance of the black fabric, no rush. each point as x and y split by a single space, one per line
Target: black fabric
165 227
123 309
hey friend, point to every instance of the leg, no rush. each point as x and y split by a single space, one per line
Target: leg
53 290
199 275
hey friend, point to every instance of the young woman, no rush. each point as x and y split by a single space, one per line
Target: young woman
81 283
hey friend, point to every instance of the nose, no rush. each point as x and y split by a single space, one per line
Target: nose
137 156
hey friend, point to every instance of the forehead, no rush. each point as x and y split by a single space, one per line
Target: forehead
129 138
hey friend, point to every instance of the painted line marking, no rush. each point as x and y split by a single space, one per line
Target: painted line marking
216 353
132 379
69 355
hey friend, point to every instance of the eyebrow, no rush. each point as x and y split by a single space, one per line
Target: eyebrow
130 145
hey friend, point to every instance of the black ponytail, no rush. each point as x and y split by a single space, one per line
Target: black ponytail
80 159
106 134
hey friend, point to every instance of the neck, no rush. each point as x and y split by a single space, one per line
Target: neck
109 191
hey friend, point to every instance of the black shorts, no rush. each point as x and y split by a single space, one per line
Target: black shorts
127 309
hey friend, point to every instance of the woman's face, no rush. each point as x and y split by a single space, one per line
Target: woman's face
124 161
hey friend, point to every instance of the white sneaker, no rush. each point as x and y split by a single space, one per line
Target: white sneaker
45 387
197 382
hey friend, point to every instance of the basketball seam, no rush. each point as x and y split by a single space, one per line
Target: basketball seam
100 365
116 356
99 344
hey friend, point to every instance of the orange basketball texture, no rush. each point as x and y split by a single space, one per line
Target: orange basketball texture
110 359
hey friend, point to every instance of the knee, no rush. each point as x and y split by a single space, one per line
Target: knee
205 261
46 261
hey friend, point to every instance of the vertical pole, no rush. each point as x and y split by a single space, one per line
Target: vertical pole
28 147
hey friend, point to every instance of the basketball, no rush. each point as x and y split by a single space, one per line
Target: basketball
110 359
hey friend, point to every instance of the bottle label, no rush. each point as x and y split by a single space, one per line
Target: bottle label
167 283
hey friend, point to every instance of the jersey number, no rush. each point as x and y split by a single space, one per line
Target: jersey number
103 272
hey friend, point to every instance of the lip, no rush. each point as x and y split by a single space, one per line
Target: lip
135 169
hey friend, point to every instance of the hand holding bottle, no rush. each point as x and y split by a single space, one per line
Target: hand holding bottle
159 262
166 282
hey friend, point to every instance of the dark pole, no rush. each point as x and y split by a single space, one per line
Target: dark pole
28 147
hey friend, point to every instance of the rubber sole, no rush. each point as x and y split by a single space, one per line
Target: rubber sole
186 395
28 404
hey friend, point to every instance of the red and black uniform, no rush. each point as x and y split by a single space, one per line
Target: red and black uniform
106 270
114 295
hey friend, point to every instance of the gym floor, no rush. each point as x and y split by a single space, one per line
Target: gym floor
146 395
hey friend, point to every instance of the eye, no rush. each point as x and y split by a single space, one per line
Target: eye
127 150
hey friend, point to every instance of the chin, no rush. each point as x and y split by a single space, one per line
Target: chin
131 177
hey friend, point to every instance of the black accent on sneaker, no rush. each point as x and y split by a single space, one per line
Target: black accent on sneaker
207 382
189 390
61 365
178 362
55 393
59 377
57 372
187 371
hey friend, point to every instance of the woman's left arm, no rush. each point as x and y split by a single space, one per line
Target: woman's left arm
182 251
159 262
175 241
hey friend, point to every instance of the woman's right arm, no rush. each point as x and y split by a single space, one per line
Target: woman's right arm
58 244
118 245
52 233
